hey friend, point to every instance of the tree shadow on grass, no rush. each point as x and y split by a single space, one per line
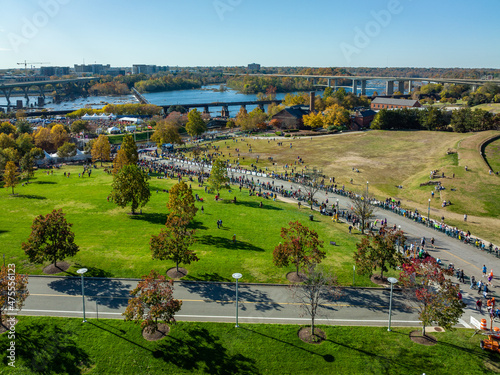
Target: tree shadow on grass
226 243
153 218
106 292
199 350
225 294
45 182
207 277
101 325
30 196
326 357
256 205
47 349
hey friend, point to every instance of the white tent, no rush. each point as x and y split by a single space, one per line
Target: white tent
131 128
99 117
131 119
113 129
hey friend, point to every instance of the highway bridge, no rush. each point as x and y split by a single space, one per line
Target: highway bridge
332 81
25 86
224 105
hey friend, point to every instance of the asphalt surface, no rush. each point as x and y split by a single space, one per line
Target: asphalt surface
107 298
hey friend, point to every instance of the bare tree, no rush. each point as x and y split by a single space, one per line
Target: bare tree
363 208
317 288
312 183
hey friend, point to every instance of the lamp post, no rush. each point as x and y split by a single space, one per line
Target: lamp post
393 281
81 271
429 213
367 189
237 276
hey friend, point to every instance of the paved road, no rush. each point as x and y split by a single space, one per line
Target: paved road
107 298
448 249
215 302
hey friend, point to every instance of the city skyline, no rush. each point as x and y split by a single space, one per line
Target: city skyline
389 33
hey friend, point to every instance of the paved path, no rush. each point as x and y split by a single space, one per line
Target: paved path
107 298
215 302
448 249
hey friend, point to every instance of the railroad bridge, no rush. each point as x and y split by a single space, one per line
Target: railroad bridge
25 86
225 105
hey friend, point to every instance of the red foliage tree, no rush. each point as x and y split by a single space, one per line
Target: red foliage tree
435 296
152 301
301 247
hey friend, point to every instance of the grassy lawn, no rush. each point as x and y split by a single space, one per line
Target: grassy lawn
491 107
493 155
390 158
113 243
66 346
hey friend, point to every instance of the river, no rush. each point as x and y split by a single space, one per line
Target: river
206 94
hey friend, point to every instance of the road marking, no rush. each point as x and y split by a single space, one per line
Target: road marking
463 260
224 301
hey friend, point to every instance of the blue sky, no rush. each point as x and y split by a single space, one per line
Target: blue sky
374 33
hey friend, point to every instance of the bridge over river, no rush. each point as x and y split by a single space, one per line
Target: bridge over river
332 81
25 86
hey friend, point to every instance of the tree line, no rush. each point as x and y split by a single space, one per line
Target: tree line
460 121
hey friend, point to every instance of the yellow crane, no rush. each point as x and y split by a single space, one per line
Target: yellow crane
25 63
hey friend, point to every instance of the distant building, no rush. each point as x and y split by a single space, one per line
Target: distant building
54 71
389 103
145 69
91 68
253 66
291 117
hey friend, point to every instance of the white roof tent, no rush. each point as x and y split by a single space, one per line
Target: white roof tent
99 117
130 119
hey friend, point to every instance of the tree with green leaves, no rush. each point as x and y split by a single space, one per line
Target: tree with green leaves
152 301
130 185
10 176
301 247
218 176
379 251
181 203
101 149
79 126
27 165
434 295
13 290
195 125
130 149
51 239
173 243
67 150
166 132
24 143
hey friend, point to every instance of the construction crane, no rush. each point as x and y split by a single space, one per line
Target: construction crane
26 65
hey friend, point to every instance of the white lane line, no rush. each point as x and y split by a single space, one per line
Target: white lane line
231 317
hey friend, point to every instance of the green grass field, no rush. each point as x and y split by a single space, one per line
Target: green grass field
491 107
390 158
67 346
113 243
493 155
